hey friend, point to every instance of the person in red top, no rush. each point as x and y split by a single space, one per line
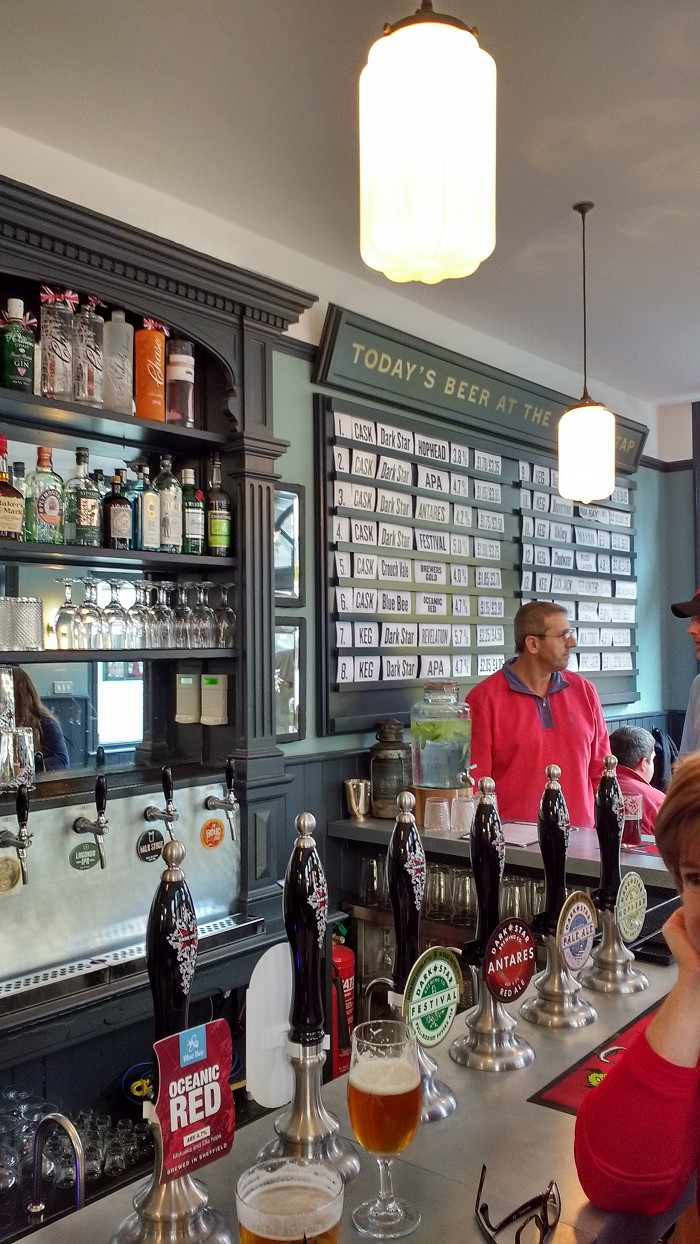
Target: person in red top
637 1139
531 714
634 749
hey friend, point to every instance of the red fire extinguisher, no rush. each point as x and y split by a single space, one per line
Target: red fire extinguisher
343 1003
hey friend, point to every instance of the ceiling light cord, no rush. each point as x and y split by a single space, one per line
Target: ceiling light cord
582 209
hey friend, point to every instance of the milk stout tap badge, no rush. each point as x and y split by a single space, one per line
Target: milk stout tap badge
611 970
557 1003
490 1042
306 1129
405 872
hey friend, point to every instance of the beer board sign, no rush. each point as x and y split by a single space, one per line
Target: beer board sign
194 1106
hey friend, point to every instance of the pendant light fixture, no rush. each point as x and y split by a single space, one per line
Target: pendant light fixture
427 150
586 432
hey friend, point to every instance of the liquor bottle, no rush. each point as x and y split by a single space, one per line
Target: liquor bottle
18 479
488 854
124 485
149 371
170 494
192 514
218 513
118 352
11 501
553 837
43 508
83 505
56 345
17 349
98 478
305 909
146 503
179 383
405 873
87 356
609 819
116 519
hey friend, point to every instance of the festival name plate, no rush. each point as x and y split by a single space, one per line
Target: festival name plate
431 995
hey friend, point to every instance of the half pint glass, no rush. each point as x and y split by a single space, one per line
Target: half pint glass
290 1200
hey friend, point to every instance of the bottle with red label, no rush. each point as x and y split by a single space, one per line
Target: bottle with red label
11 500
43 511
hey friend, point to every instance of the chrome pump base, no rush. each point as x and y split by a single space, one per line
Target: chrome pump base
438 1101
611 970
490 1042
176 1212
557 1004
306 1129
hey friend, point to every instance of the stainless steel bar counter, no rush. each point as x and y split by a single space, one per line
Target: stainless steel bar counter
524 1146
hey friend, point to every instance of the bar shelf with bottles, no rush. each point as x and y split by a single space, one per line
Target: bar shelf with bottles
58 555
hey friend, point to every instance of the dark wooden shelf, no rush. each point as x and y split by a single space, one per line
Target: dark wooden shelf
17 551
31 418
56 656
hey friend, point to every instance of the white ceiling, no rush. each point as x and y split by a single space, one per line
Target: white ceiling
247 108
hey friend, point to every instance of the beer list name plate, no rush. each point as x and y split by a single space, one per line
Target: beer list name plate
430 540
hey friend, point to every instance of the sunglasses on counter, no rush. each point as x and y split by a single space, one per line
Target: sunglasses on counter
540 1216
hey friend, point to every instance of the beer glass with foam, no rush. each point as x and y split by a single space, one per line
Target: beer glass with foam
288 1201
384 1104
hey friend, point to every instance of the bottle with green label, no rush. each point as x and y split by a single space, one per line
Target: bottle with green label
192 514
17 349
83 505
218 513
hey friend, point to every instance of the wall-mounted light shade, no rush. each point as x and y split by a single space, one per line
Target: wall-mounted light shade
586 444
427 153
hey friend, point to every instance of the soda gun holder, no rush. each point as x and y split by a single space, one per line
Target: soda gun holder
306 1129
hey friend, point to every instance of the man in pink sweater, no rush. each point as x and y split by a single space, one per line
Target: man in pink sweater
531 714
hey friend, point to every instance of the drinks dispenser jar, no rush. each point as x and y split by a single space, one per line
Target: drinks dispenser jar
440 737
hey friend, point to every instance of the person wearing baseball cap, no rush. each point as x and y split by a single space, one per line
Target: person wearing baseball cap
690 740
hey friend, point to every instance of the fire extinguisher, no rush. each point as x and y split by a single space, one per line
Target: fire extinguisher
343 1003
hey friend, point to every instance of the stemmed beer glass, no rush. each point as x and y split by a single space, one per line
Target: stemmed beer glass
64 622
384 1104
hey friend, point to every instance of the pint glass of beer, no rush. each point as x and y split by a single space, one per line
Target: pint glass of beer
290 1200
384 1104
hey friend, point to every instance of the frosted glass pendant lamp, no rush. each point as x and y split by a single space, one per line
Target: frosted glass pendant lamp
586 431
427 150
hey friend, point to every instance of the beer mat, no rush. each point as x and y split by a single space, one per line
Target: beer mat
520 834
567 1092
648 847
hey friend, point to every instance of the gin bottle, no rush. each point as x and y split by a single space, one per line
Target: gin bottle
116 514
170 494
11 500
118 350
192 514
218 513
17 349
43 510
56 345
146 503
83 505
87 356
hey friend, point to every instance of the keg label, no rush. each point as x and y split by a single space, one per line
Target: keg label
84 856
149 845
576 930
510 960
630 907
195 1104
431 994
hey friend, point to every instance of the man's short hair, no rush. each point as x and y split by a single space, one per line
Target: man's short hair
531 619
631 744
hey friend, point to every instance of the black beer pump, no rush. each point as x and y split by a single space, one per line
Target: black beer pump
557 1003
490 1042
611 970
306 1129
177 1211
405 871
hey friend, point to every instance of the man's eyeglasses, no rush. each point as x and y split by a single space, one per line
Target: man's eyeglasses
541 1215
551 635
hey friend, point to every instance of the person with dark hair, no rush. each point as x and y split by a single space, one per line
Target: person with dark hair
637 1140
531 714
634 749
690 739
29 711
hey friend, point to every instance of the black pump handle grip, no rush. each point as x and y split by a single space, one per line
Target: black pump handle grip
22 805
230 773
167 775
101 794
